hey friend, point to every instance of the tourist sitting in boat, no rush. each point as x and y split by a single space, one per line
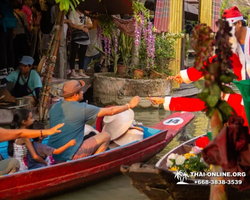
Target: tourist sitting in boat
12 165
43 150
18 148
27 81
75 114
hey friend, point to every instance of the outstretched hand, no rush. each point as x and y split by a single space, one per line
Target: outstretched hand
177 78
156 100
134 102
55 129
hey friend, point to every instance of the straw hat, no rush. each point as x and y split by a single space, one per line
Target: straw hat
131 135
117 125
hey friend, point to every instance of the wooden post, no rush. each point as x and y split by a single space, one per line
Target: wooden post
50 67
175 26
205 12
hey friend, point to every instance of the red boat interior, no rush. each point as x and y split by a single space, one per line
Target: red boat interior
147 133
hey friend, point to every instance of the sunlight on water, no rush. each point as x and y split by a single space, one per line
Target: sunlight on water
119 187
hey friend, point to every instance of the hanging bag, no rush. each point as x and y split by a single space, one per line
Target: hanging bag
27 32
79 35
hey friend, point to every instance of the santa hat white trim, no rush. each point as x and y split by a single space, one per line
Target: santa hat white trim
184 76
167 103
234 19
226 97
242 102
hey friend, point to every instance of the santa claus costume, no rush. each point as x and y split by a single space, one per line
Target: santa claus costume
240 66
195 104
240 58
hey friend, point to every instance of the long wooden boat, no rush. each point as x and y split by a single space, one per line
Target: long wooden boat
159 183
43 182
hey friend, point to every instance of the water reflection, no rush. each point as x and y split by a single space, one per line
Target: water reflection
119 187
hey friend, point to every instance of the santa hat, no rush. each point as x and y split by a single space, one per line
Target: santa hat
232 15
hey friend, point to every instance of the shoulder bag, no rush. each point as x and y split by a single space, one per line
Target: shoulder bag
79 35
27 32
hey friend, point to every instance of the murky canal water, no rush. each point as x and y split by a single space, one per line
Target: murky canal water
119 187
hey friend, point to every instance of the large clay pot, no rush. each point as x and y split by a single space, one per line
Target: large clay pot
121 70
138 73
154 75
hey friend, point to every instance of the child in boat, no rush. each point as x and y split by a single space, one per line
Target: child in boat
18 148
43 150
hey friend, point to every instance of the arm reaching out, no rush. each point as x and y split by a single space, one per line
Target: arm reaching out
12 134
118 109
64 147
191 74
179 103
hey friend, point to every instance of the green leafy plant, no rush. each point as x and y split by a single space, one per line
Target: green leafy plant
125 44
140 8
216 74
164 52
66 4
193 163
113 57
107 25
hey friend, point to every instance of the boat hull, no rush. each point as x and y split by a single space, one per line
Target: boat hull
158 183
47 181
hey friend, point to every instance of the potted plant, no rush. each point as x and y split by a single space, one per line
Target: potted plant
164 53
138 73
125 44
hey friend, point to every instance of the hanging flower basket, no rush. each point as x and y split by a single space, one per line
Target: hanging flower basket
138 74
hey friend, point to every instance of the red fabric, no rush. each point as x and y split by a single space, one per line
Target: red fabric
202 142
186 104
231 150
126 26
194 74
235 101
98 124
232 12
162 15
195 104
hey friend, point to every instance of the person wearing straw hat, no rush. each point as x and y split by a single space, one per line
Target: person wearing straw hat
75 114
240 47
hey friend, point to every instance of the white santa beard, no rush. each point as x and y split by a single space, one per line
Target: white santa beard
233 42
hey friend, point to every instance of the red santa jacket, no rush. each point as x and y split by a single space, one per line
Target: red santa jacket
192 74
195 104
